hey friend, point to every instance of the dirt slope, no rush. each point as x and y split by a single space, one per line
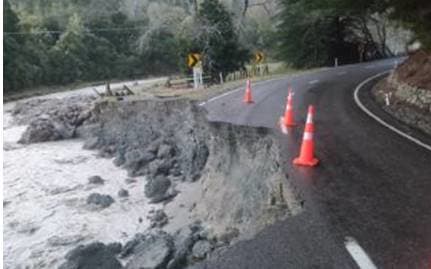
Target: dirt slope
243 185
406 92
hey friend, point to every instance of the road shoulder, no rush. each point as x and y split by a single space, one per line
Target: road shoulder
365 100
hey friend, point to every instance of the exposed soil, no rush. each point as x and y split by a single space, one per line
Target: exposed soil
416 70
216 182
406 92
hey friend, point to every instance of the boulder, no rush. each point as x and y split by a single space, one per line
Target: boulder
41 130
165 151
136 159
123 193
153 251
119 160
183 239
100 200
158 219
97 180
129 247
200 249
52 119
157 189
93 256
160 167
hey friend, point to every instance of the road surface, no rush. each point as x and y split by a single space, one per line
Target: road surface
368 203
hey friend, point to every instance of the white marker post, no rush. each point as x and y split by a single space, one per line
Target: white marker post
388 103
197 76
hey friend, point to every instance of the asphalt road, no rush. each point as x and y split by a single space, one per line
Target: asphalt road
371 185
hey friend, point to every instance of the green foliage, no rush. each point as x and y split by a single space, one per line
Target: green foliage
80 55
19 71
65 41
313 32
217 40
309 37
77 50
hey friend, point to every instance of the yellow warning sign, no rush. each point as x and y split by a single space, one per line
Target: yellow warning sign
259 57
193 59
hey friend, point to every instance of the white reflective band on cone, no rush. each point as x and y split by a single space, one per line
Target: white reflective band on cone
288 107
309 118
308 136
282 126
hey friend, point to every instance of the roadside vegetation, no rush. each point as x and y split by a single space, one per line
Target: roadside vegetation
57 43
63 42
314 32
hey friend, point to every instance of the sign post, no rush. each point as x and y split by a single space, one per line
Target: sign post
194 61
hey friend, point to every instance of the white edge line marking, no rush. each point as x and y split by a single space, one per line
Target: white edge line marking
379 120
313 81
358 254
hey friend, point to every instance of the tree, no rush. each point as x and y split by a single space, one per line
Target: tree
314 32
11 48
69 55
81 55
22 67
217 41
413 14
307 38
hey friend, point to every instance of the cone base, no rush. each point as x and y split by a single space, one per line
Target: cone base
312 162
248 101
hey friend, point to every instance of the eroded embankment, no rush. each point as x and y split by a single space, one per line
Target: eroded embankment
170 141
217 181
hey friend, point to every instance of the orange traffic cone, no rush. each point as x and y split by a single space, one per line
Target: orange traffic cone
248 99
306 157
288 119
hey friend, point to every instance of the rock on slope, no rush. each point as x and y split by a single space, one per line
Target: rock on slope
409 91
242 186
170 140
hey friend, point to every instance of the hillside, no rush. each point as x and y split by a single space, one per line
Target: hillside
406 93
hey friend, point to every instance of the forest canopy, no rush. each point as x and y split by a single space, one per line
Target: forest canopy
58 42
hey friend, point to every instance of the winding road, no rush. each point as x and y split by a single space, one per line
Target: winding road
368 203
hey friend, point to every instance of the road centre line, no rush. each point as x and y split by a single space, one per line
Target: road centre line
379 120
313 81
239 89
263 82
341 73
358 254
